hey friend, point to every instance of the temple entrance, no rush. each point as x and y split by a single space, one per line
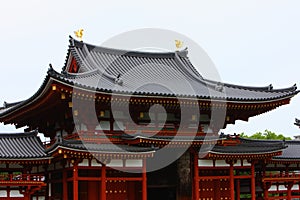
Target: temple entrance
162 184
167 193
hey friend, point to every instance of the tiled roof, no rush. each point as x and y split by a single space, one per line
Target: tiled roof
249 146
145 73
21 146
292 152
142 73
78 145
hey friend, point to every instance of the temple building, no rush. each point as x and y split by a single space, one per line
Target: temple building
142 125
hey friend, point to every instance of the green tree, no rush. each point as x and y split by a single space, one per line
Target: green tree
266 135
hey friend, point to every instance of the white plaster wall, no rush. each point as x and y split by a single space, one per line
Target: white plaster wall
246 163
95 164
134 163
238 163
115 163
3 193
16 193
221 163
205 163
85 162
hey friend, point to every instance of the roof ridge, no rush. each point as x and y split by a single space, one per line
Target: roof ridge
200 79
20 134
260 140
268 88
292 141
81 74
125 52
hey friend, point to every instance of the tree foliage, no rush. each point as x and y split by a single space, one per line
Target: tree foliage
266 135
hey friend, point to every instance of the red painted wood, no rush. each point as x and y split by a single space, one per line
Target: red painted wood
231 177
75 181
93 188
289 190
266 194
144 182
253 193
65 184
73 66
238 189
103 182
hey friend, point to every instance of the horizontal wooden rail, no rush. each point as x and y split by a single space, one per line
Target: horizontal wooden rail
22 179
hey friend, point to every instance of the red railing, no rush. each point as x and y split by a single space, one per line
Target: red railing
282 175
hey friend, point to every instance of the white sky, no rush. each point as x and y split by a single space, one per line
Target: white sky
251 42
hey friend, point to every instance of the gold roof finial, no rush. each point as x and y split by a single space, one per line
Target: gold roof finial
79 34
178 44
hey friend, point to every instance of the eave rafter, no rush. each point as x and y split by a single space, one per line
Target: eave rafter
68 153
247 156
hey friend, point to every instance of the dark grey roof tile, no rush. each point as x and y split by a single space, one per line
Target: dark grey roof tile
249 146
292 152
21 146
157 73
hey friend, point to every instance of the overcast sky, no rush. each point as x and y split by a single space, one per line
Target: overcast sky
251 42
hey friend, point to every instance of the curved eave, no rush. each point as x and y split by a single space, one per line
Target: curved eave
33 160
54 76
244 155
170 142
69 151
285 95
41 91
285 160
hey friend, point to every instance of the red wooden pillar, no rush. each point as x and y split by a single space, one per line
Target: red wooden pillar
238 189
289 191
196 177
26 196
8 191
231 177
103 182
266 193
65 185
144 182
253 193
75 181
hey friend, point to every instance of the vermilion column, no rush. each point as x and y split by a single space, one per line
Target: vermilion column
75 181
65 185
196 176
144 182
238 189
253 194
289 190
266 193
26 196
231 181
103 182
